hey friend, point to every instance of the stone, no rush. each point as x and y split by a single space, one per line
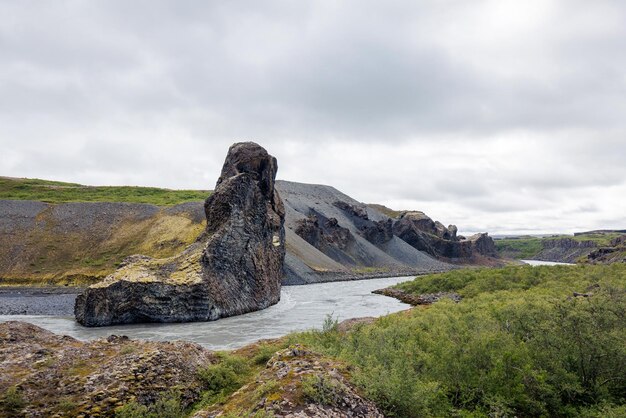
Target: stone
235 266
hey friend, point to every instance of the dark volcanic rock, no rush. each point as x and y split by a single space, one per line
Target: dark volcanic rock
614 253
328 236
483 244
377 232
59 376
234 267
424 234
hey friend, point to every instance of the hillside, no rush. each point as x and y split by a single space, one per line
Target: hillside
62 233
12 188
579 247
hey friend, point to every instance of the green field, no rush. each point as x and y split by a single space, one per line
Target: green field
518 344
59 192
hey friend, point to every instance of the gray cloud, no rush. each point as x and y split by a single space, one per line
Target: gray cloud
498 114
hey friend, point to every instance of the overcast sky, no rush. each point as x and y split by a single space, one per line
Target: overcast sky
500 116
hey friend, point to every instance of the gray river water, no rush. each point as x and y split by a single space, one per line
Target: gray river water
300 308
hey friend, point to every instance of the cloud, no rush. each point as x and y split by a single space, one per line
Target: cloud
496 114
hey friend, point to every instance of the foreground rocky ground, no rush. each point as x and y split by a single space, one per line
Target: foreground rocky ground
47 375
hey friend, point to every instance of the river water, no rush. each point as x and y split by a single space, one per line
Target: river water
300 308
545 263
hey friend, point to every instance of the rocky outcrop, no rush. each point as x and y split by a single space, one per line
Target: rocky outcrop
377 232
298 383
59 376
328 236
615 252
483 244
434 238
565 250
234 267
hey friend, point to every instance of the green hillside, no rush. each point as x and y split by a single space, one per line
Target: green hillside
59 192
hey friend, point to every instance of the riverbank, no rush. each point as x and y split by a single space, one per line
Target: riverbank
300 308
483 356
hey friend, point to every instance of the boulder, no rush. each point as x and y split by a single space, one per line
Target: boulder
235 266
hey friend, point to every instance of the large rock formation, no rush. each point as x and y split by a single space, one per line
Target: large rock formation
234 267
434 238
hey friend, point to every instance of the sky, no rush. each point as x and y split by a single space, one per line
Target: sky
494 115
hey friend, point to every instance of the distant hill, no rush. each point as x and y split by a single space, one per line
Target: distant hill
12 188
577 248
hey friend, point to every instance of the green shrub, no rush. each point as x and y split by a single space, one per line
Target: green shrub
13 400
167 406
226 376
264 354
519 344
322 389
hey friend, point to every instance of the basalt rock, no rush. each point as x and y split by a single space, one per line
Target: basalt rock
434 238
234 267
328 236
377 232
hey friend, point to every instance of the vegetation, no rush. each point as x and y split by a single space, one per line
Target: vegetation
519 344
322 390
527 247
59 192
519 248
12 400
168 406
226 376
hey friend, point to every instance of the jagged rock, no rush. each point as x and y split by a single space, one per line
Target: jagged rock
328 236
483 244
614 253
59 376
356 211
420 221
377 232
234 267
453 231
424 234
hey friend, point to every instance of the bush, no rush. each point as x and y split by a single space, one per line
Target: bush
322 390
519 344
226 376
13 400
168 406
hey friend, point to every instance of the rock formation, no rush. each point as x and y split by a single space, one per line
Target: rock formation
434 238
234 267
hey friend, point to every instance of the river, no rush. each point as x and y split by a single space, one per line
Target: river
300 308
545 263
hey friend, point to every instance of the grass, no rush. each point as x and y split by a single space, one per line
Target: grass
519 248
519 344
59 192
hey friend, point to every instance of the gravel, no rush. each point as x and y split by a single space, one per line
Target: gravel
38 301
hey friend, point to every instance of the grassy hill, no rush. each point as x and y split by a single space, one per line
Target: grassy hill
529 247
59 192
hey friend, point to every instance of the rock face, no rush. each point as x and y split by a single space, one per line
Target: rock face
234 267
614 253
434 238
58 376
565 250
